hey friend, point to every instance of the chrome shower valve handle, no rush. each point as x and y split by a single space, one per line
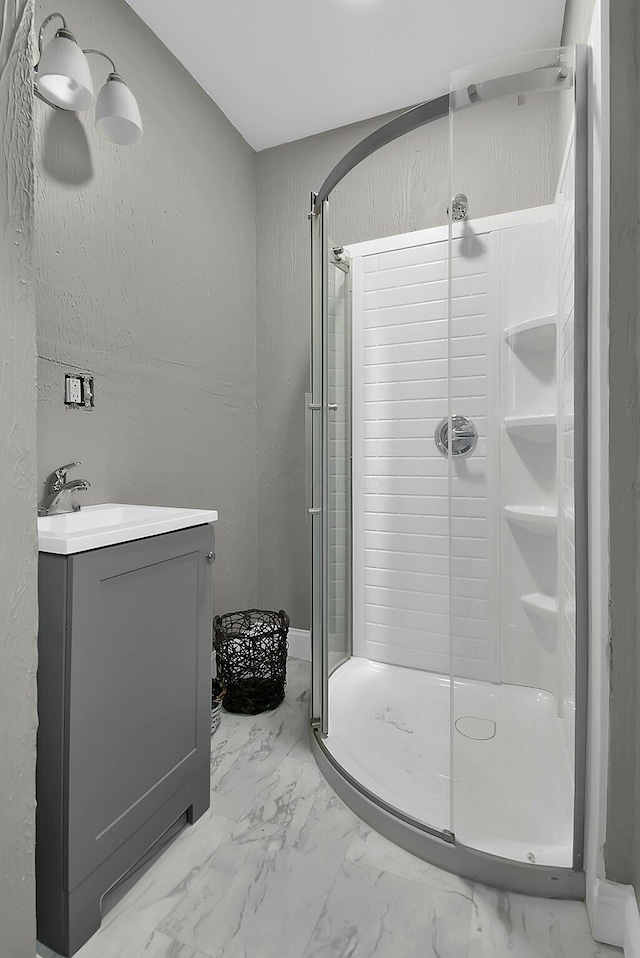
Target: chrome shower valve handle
464 437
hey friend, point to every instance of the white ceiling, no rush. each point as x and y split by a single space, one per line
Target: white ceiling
284 69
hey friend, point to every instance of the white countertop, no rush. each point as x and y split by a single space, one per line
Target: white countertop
110 523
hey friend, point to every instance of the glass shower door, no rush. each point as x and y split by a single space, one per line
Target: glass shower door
330 510
339 456
512 248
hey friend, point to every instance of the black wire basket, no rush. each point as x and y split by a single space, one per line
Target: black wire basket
218 693
251 659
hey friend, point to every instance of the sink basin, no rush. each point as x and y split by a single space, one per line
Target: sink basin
110 523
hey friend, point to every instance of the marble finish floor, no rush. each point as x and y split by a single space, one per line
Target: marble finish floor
280 868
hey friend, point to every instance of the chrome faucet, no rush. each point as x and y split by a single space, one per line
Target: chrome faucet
58 494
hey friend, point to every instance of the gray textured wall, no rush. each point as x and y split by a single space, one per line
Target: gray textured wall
622 849
145 276
18 549
504 161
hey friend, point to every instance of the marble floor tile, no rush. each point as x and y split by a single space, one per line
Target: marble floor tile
160 946
297 809
373 914
247 749
253 910
369 848
157 945
298 677
280 868
137 908
505 925
272 876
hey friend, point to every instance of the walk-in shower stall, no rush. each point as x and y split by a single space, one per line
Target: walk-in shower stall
447 418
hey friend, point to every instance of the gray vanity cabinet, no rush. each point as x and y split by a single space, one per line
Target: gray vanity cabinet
124 693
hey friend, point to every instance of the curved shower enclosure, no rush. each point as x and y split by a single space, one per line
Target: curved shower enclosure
448 429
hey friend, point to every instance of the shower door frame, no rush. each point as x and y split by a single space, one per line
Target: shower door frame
317 401
442 848
318 408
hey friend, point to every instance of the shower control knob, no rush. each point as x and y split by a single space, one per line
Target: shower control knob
465 437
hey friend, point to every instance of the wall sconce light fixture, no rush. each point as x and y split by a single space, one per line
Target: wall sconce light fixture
63 81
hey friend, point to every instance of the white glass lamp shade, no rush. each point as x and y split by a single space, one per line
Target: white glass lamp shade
117 114
63 75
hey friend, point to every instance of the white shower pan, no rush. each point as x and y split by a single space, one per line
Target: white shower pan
511 795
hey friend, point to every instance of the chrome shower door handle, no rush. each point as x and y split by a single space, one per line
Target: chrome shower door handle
465 437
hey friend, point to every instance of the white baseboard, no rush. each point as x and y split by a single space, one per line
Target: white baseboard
300 645
615 918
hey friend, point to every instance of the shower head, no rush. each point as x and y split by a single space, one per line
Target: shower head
459 207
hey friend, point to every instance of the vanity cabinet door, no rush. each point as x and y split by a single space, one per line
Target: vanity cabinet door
139 685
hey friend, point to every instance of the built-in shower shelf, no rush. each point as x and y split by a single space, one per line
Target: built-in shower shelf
545 606
537 334
535 518
541 428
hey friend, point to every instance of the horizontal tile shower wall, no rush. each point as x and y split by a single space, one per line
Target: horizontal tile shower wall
339 483
501 562
401 348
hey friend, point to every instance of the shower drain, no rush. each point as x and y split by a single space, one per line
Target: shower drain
476 728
